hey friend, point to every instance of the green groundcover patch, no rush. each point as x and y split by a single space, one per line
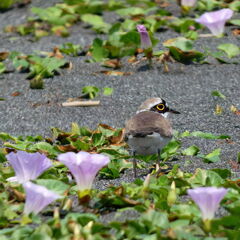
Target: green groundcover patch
155 206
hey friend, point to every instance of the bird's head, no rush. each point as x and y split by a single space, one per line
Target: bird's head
158 105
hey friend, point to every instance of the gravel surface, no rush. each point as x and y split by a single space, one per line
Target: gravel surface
187 88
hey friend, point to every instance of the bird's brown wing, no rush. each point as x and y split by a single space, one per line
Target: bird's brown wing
145 123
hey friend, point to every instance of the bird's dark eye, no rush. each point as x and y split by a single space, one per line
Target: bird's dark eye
160 107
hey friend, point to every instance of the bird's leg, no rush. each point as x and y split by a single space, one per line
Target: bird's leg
159 155
134 164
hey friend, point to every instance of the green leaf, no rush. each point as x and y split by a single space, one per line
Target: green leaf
181 43
98 139
235 21
53 15
70 49
235 6
218 94
91 91
80 145
204 177
2 67
53 185
107 91
131 11
170 149
191 151
155 219
75 129
2 157
213 156
5 137
208 135
224 173
37 83
99 53
96 21
40 236
44 147
230 49
4 4
44 67
181 50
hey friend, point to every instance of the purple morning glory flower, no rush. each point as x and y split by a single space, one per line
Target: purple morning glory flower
215 21
27 166
37 198
208 199
145 39
188 3
84 166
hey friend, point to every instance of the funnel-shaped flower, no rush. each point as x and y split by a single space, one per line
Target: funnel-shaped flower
27 166
37 198
145 39
208 199
215 21
188 3
84 166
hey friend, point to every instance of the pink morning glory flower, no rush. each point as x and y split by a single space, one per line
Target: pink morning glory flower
188 3
208 199
84 166
145 39
215 21
27 166
37 198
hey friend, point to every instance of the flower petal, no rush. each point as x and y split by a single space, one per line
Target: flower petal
215 21
37 197
84 166
27 166
145 39
207 199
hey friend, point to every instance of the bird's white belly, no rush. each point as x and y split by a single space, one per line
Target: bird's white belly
147 145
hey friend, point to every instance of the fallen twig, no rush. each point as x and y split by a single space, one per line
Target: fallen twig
81 104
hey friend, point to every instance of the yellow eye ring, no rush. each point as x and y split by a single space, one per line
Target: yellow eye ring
160 107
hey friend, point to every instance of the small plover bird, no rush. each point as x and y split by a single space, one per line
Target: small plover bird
149 130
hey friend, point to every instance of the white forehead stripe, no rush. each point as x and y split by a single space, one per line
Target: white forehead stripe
147 106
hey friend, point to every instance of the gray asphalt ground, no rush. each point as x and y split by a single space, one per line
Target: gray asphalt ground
187 88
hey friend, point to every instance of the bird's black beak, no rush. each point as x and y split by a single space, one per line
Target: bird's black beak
173 111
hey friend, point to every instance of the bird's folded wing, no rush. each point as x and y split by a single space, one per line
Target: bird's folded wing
146 123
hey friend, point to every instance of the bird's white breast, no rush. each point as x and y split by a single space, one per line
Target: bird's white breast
147 145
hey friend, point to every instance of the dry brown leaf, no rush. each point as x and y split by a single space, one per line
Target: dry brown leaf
137 18
139 50
15 194
10 29
237 182
118 139
163 4
132 59
234 110
113 63
115 73
15 94
130 201
3 55
105 126
119 191
56 53
236 32
233 164
67 148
